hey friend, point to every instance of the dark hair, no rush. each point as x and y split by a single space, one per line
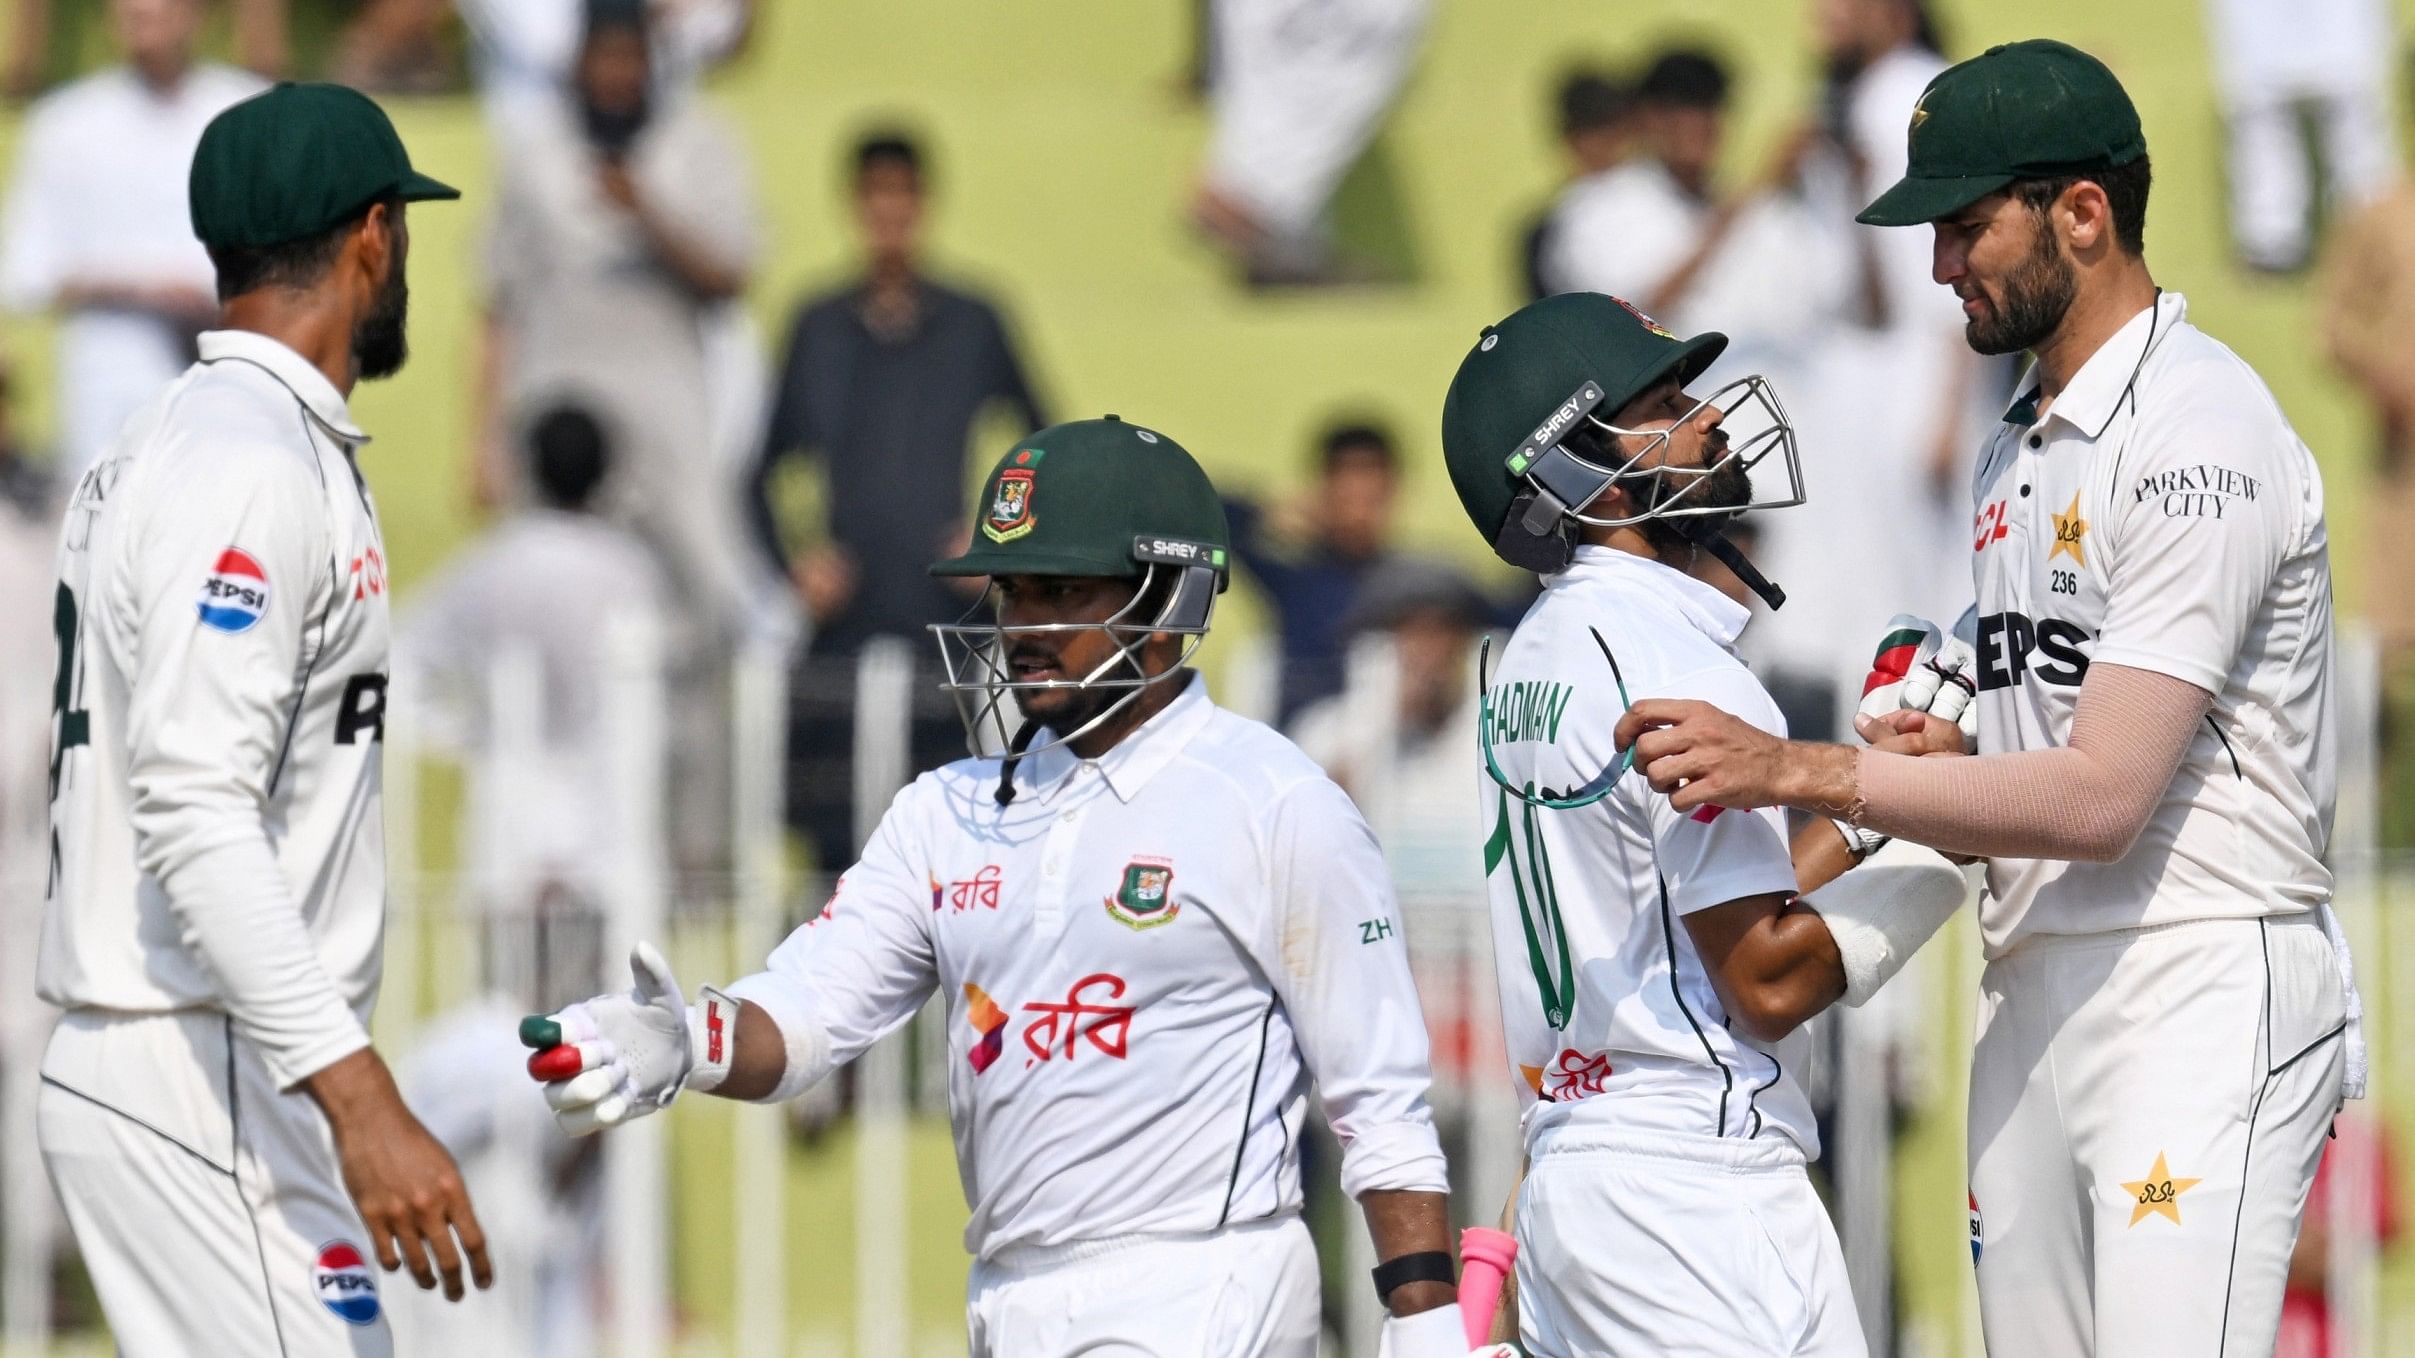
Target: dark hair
2125 189
1347 440
289 264
602 14
1684 78
568 456
889 146
1590 100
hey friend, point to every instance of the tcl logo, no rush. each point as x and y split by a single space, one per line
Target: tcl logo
2013 647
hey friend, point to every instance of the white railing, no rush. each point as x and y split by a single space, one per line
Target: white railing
440 943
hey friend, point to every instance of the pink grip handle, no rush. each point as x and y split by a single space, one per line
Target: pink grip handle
1485 1258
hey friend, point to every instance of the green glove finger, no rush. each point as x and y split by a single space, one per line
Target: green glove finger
540 1031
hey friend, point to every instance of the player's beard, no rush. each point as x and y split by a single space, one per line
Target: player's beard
379 342
1727 487
2037 293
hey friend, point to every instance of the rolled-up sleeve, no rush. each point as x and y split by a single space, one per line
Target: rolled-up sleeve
217 602
1340 965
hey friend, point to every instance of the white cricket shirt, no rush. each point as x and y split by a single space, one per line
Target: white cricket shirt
220 713
1610 1018
1146 959
2164 516
98 196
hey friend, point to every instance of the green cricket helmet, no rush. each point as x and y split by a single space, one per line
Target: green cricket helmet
1527 436
1097 498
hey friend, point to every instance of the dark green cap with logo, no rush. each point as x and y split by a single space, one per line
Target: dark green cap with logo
1529 380
295 161
1099 498
2024 110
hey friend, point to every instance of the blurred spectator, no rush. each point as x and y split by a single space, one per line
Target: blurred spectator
1598 126
2280 66
1888 404
550 586
96 226
523 50
259 41
1300 89
465 1075
622 223
881 383
1313 556
2306 1305
2369 326
29 672
1654 230
1412 632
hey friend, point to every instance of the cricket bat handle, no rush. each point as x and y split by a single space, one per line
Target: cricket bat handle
1485 1258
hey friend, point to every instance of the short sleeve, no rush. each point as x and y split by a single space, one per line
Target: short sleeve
1715 854
2201 520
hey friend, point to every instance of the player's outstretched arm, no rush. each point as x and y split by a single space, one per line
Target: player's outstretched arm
409 1194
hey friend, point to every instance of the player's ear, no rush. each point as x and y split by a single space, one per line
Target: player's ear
2086 215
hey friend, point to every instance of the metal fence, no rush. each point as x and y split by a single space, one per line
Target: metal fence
611 1246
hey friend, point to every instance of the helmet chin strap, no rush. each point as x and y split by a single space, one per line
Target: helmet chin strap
1704 532
1015 747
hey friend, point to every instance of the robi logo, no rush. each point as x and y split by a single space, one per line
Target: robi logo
344 1283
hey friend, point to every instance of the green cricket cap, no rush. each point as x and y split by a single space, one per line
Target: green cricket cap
294 161
1095 497
1531 378
2023 110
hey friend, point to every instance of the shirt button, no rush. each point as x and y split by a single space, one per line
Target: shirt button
2024 492
2037 440
1067 817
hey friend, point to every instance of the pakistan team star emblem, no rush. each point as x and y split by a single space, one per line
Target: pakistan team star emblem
1145 898
2158 1194
1009 514
2070 533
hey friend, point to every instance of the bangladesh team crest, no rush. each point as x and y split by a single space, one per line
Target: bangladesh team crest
1009 514
1145 898
1649 324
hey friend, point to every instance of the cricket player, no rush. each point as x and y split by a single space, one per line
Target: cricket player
230 1151
1654 961
1154 924
2164 1018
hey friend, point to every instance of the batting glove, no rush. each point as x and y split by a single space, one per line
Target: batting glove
608 1060
1921 669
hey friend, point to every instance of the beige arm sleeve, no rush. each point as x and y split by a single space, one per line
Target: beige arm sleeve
2086 801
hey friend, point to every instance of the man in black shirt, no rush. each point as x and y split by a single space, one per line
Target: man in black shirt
882 380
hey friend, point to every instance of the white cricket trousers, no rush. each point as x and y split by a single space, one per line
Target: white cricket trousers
2147 1107
1247 1291
1650 1243
207 1205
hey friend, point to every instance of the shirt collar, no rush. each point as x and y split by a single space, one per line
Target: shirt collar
2096 390
1131 762
1720 617
307 383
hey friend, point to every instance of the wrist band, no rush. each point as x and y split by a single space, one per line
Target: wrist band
1425 1266
712 1040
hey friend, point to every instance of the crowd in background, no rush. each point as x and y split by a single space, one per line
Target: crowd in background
636 432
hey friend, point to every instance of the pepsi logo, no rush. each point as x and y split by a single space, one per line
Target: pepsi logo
344 1283
236 594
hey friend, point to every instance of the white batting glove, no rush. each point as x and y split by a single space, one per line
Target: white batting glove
614 1058
1919 668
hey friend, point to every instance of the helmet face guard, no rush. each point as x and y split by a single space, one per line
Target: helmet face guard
974 656
1574 457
